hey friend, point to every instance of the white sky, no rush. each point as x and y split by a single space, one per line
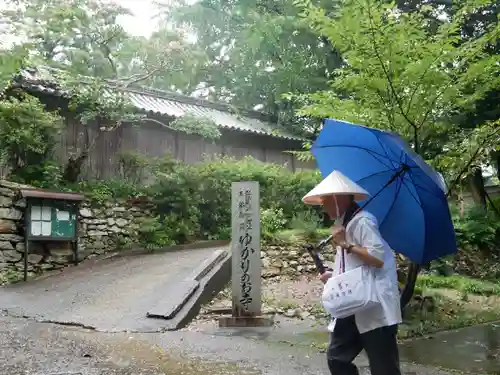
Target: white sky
142 23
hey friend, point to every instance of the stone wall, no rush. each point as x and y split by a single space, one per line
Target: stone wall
104 228
290 260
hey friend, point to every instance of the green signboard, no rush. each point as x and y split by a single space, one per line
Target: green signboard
50 216
52 219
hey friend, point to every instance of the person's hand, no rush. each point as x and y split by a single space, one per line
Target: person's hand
325 276
338 233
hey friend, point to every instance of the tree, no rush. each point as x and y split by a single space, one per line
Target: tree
79 46
257 51
403 75
168 59
27 136
79 34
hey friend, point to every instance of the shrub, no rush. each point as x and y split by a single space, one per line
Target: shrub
272 220
153 234
476 227
202 193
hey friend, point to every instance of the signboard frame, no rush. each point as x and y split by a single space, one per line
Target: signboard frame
50 216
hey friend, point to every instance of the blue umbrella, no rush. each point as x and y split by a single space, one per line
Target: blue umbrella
407 195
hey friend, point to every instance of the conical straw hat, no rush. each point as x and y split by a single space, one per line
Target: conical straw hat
335 184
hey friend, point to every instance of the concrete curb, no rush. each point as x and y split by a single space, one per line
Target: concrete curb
210 285
179 307
203 269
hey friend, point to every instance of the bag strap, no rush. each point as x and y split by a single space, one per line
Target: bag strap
342 261
350 213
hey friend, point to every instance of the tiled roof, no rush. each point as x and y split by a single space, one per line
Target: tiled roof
169 104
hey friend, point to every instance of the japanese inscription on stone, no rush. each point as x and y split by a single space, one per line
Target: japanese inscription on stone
246 263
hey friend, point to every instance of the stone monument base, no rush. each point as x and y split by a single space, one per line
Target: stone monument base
245 321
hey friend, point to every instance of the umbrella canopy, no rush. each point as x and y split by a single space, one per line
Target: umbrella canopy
407 195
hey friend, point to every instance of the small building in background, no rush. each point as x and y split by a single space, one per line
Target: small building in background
243 133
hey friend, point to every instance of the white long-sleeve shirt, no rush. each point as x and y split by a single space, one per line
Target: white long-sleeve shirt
363 231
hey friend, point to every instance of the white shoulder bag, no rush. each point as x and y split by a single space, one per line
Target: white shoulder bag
350 292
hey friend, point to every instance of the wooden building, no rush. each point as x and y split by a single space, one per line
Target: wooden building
244 133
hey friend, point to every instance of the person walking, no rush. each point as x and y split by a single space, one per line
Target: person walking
359 243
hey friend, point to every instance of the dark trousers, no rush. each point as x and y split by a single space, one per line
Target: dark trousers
346 343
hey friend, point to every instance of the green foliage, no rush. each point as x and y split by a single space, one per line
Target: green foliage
459 283
476 227
405 71
272 220
472 151
98 192
82 34
255 52
97 100
27 137
153 234
10 63
202 193
191 124
306 221
134 167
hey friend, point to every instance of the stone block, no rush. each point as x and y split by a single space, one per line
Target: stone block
21 203
122 222
115 229
85 212
7 226
10 256
34 258
6 245
5 201
20 247
11 237
6 192
95 233
10 213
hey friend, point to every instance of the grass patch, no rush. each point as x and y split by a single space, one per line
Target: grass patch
459 283
447 313
298 236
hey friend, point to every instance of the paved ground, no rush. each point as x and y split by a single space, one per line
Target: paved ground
30 348
111 295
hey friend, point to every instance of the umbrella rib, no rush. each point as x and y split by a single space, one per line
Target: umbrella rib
375 174
383 148
371 152
381 162
417 199
422 187
393 202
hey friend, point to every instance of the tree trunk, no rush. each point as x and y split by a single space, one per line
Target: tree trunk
476 184
74 166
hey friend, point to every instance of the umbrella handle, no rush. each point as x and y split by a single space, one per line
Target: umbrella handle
320 267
